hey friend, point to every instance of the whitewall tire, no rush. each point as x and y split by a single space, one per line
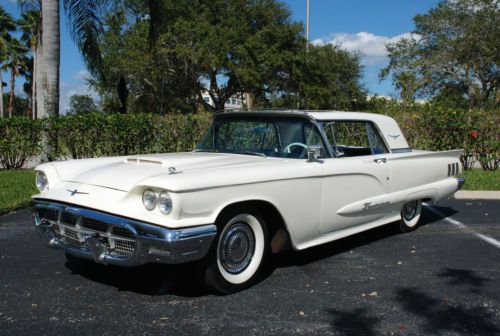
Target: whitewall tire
237 254
410 215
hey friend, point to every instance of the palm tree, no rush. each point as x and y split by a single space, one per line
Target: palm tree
7 25
15 58
30 27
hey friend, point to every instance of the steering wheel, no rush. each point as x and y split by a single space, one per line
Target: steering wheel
296 144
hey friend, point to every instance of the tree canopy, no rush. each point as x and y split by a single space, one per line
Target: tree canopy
221 47
454 47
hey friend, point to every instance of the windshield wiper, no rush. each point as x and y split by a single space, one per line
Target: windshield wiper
245 152
252 153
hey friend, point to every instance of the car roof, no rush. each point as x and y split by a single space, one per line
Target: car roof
388 127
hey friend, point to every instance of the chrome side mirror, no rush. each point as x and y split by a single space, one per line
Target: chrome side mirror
313 153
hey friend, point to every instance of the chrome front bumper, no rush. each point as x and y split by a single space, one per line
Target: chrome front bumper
461 182
110 239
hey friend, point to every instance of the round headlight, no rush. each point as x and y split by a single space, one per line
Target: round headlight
42 183
149 199
164 203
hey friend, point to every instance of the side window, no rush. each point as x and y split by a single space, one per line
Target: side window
377 144
354 138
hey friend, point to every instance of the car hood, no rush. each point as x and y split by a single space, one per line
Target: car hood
124 173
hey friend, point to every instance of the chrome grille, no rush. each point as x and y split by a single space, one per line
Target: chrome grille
74 230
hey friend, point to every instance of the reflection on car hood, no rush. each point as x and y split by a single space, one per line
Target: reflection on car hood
126 172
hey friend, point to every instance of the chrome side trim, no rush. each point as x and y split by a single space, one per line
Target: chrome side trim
151 243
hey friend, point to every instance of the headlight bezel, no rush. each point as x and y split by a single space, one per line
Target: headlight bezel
157 200
167 201
41 181
149 199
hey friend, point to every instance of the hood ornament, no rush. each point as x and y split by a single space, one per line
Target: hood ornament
74 192
172 171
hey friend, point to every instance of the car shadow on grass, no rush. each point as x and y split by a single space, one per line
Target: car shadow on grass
184 280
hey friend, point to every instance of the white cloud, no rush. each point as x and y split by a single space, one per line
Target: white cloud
69 89
370 46
82 75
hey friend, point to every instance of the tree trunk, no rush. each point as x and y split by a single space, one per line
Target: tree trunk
51 58
1 95
38 79
12 87
33 85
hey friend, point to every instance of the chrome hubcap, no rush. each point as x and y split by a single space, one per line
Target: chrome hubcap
236 248
410 210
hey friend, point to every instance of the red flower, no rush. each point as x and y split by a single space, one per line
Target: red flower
473 134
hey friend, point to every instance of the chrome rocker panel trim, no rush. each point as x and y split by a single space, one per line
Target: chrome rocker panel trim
152 243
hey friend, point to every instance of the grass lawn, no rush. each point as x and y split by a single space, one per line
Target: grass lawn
16 188
478 179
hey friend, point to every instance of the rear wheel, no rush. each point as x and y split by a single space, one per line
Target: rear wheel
410 215
237 255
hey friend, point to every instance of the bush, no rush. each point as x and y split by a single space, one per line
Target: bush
428 126
437 127
20 141
98 134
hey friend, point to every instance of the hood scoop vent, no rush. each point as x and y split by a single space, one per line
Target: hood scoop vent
144 161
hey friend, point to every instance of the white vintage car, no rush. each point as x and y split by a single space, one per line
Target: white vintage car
256 181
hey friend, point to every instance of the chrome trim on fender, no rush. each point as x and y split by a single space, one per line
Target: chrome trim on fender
111 239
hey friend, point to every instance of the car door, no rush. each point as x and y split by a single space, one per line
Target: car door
357 181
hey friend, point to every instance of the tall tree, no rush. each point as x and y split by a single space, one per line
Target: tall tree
30 28
236 46
51 59
15 63
456 44
328 77
7 25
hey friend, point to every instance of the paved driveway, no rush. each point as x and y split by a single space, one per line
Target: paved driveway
443 278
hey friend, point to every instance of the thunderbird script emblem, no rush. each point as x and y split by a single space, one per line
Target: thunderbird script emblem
394 136
74 192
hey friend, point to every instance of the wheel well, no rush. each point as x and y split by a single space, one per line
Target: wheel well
276 229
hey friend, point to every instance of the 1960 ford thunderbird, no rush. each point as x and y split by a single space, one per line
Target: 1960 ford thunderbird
255 181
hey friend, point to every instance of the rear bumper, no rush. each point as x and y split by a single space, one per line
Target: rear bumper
110 239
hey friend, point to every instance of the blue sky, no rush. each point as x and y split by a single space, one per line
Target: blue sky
358 25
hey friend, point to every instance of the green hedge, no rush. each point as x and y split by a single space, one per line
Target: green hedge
426 126
20 141
99 134
438 128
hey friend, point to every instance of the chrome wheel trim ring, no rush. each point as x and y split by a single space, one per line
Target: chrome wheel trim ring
236 248
410 210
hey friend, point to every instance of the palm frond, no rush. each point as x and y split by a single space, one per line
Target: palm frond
86 26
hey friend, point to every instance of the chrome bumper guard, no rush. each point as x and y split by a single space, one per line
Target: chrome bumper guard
110 239
461 182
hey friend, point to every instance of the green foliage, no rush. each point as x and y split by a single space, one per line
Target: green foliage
16 189
436 127
80 104
20 141
98 134
330 79
20 105
456 45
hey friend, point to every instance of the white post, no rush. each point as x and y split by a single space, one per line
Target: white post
307 22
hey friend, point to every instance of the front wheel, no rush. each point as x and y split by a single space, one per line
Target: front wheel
410 215
237 255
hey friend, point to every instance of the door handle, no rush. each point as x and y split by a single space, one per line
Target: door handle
380 160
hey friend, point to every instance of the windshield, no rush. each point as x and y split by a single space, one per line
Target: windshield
275 137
